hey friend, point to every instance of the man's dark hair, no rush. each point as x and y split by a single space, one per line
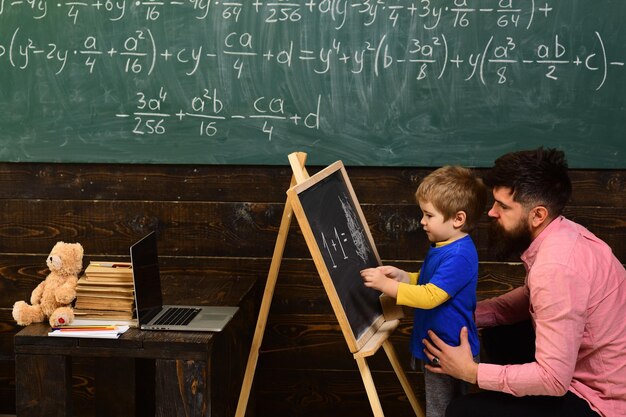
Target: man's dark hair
535 177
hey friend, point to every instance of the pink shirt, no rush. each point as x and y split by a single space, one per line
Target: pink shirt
575 294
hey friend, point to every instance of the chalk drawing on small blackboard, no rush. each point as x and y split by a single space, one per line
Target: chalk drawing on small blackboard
356 231
334 245
341 245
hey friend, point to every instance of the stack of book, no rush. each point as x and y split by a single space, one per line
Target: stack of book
105 291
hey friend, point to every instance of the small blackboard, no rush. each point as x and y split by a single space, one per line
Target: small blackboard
341 246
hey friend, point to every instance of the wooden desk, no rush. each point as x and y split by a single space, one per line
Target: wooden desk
143 373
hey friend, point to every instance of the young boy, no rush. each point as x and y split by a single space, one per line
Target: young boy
443 293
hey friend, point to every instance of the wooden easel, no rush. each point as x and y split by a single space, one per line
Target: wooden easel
380 338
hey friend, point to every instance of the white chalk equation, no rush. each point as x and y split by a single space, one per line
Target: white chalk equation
150 117
425 59
428 14
334 246
354 237
336 72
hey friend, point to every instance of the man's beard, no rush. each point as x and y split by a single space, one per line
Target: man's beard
503 244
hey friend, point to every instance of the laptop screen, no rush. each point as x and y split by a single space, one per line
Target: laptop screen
146 278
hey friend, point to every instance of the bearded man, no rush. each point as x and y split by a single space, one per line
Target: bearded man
574 295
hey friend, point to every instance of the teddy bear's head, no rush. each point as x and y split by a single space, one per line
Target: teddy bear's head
66 258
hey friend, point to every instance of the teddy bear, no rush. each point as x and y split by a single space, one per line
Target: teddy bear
53 296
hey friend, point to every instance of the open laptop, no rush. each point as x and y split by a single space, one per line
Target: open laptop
151 313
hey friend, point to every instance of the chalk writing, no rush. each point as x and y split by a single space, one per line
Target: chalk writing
334 245
207 69
210 109
427 58
340 236
356 230
506 13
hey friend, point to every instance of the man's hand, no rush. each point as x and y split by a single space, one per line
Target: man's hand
458 362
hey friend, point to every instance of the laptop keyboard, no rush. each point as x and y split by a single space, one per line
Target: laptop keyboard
178 316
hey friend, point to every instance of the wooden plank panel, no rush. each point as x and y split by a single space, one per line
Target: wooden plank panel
230 229
8 328
179 399
110 227
231 349
224 220
20 274
397 233
7 386
34 396
298 289
47 181
595 188
115 379
84 386
301 320
305 393
314 333
318 337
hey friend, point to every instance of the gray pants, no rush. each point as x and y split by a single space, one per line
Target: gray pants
441 389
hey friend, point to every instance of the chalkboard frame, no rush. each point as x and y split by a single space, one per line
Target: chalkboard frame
355 342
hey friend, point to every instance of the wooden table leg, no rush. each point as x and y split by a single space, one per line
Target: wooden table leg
43 385
115 387
181 388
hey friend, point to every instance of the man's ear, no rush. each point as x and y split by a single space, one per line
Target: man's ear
538 216
459 219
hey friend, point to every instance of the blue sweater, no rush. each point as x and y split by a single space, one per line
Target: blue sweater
454 269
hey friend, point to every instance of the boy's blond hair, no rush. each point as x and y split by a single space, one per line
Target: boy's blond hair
451 189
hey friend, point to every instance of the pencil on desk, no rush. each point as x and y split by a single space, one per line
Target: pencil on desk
84 328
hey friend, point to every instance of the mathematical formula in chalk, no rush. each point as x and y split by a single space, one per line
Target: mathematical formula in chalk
341 244
150 117
461 13
426 59
378 77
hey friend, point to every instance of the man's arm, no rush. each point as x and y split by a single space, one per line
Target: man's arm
559 320
559 306
510 308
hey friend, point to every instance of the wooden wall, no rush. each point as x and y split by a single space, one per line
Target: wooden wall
224 220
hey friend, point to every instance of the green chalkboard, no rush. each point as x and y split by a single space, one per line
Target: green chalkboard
370 82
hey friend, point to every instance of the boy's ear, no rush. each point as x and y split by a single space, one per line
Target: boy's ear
459 219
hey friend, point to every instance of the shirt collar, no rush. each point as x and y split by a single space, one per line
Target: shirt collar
447 242
530 254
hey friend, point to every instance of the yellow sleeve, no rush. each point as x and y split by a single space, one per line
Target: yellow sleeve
414 277
421 296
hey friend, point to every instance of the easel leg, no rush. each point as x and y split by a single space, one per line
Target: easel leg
366 375
297 159
264 312
397 367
